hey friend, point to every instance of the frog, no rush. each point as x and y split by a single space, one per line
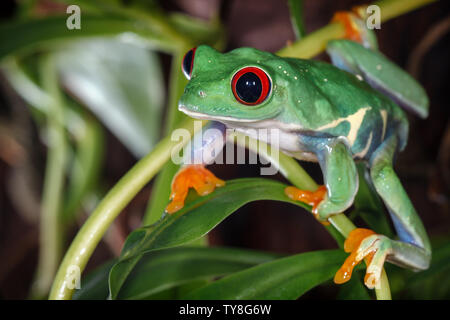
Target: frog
338 114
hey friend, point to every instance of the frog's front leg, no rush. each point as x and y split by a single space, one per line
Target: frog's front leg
412 251
203 149
339 174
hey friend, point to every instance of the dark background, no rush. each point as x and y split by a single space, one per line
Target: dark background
417 41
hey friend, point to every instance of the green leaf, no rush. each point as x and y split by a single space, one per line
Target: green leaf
183 269
31 34
121 83
296 11
164 269
354 289
285 278
95 285
433 283
199 216
199 31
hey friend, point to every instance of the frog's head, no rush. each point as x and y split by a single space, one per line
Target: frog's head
236 87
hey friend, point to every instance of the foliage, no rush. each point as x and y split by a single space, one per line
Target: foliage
109 75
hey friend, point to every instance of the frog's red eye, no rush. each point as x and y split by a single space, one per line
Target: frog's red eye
251 86
188 63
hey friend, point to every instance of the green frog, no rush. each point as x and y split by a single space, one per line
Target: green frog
332 114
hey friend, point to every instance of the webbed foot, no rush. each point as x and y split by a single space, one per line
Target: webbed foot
191 176
312 198
364 243
355 27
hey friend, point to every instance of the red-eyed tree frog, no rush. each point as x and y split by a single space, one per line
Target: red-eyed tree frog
333 114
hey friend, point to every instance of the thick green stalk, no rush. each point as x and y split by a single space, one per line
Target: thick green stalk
51 227
109 208
393 8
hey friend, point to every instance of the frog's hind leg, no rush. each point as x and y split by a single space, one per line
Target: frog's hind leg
412 250
380 73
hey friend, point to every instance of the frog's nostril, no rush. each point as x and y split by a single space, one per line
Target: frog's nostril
202 94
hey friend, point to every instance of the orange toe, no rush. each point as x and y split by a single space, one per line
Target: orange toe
312 198
351 245
351 29
192 176
345 271
355 238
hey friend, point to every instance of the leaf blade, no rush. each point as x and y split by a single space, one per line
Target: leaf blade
196 219
121 83
285 278
161 270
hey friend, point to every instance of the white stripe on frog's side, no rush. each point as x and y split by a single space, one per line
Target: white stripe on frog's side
355 121
384 115
364 151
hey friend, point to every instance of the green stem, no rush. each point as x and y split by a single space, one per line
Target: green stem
51 228
88 156
109 208
394 8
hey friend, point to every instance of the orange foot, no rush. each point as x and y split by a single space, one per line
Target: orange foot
313 198
192 176
352 32
351 246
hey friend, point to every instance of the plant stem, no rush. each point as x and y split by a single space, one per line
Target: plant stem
394 8
85 170
51 228
109 208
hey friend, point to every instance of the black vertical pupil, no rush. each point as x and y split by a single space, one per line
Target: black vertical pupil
187 62
249 87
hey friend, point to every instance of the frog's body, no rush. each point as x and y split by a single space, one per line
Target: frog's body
328 115
310 99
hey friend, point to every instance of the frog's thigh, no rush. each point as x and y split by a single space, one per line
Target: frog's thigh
413 249
340 177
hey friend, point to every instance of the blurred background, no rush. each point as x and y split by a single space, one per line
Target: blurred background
115 93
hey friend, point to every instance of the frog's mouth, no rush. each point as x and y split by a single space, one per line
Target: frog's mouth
236 123
288 133
203 116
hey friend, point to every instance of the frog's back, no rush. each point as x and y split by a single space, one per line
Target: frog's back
346 106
